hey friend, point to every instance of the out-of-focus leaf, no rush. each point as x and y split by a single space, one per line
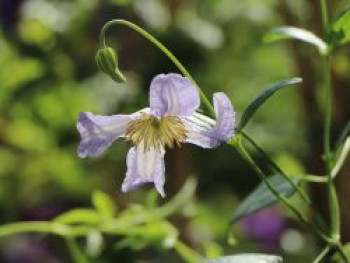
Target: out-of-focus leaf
103 204
337 258
262 97
262 197
121 2
94 244
303 35
155 233
342 138
187 254
342 157
247 258
78 216
340 28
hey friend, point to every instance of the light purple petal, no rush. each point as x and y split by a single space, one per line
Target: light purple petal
144 167
174 95
195 134
225 118
98 132
207 133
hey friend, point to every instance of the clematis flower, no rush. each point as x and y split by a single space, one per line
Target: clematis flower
170 120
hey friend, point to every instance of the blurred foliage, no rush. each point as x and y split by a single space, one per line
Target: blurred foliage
48 76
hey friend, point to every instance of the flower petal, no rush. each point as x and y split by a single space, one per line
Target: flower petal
98 132
195 132
225 118
174 95
207 133
144 167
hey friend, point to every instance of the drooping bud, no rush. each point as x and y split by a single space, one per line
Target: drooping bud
107 61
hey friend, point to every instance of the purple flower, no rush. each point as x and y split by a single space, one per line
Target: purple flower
170 120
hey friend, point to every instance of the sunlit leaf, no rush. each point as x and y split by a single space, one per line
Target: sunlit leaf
340 28
342 138
303 35
104 204
342 157
262 97
79 215
247 258
262 197
337 258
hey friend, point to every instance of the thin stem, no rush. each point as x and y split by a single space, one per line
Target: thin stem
323 253
161 47
324 10
314 179
187 253
75 252
332 194
280 197
302 194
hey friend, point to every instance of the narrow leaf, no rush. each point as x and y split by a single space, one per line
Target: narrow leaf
262 97
303 35
342 138
340 28
261 197
342 157
247 258
77 216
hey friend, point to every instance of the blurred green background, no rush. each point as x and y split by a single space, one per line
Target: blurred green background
48 76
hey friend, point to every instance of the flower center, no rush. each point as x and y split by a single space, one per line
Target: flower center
156 133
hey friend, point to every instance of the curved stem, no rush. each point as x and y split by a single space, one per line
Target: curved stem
161 47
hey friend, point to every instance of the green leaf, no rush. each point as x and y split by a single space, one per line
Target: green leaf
303 35
342 157
340 28
78 216
261 197
247 258
337 258
104 205
342 138
262 97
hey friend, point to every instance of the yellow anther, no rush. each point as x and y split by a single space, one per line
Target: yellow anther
156 133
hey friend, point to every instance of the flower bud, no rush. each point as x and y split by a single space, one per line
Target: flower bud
107 61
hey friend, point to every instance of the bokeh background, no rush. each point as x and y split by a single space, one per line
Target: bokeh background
48 76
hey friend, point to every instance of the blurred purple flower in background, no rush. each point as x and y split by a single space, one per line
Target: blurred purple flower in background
171 119
265 226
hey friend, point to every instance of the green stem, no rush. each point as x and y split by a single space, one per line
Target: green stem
332 194
280 197
161 47
187 253
75 252
323 253
296 187
302 194
324 10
